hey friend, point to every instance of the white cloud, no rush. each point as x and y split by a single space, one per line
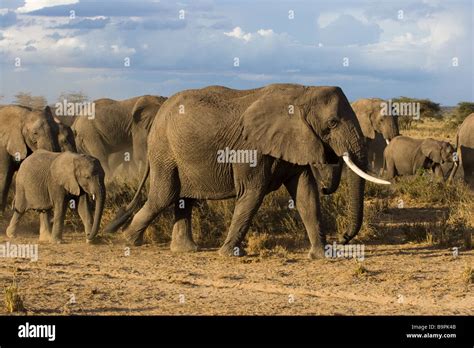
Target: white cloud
238 33
265 32
33 5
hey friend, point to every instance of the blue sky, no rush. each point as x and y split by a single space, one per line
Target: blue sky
393 48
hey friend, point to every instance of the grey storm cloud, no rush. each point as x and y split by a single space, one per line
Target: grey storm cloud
152 24
347 30
87 23
8 19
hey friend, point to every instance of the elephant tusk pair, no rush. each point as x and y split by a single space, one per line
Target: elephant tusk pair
361 173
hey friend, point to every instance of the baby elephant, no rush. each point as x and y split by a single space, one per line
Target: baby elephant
48 181
405 155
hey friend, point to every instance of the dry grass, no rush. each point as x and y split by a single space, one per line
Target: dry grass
13 299
468 275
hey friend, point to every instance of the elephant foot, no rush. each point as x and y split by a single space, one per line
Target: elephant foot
57 240
11 233
183 245
316 253
232 251
133 238
43 237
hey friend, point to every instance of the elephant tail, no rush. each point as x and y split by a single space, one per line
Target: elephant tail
125 213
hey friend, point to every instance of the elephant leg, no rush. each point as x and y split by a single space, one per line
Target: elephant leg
58 221
11 229
390 173
438 172
162 193
45 227
6 175
246 206
303 190
182 237
84 209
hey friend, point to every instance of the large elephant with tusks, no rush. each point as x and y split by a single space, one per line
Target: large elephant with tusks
218 143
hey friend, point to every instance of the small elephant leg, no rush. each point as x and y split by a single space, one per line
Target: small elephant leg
246 206
58 221
438 172
182 237
45 227
303 190
391 171
11 229
84 209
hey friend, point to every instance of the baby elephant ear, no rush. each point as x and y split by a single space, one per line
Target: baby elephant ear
63 169
432 149
276 127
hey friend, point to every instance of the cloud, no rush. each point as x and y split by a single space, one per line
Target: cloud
35 5
238 33
86 23
347 30
8 19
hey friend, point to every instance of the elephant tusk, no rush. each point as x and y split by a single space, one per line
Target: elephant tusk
361 173
387 141
93 197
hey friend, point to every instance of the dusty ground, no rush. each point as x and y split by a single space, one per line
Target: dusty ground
399 279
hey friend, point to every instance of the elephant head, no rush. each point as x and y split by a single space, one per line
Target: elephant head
313 126
65 136
439 152
372 120
79 174
30 132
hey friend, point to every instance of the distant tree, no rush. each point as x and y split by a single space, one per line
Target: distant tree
463 110
73 97
26 99
428 109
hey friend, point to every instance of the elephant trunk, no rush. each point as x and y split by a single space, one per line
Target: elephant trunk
356 203
99 208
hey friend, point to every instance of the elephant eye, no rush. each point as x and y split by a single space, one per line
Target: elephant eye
332 123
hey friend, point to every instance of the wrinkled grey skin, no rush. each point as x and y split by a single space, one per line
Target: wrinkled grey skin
405 156
182 157
376 128
64 136
46 181
465 149
118 127
22 131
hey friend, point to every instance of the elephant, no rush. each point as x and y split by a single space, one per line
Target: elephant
117 127
64 135
47 180
405 156
220 143
465 150
22 131
377 128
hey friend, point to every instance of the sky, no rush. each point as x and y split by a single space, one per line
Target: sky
124 48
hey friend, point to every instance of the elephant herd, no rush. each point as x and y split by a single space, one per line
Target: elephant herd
197 144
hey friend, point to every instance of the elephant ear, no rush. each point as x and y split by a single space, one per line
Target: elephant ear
276 127
145 109
16 145
63 170
432 149
364 110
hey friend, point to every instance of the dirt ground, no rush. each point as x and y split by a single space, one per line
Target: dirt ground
75 278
